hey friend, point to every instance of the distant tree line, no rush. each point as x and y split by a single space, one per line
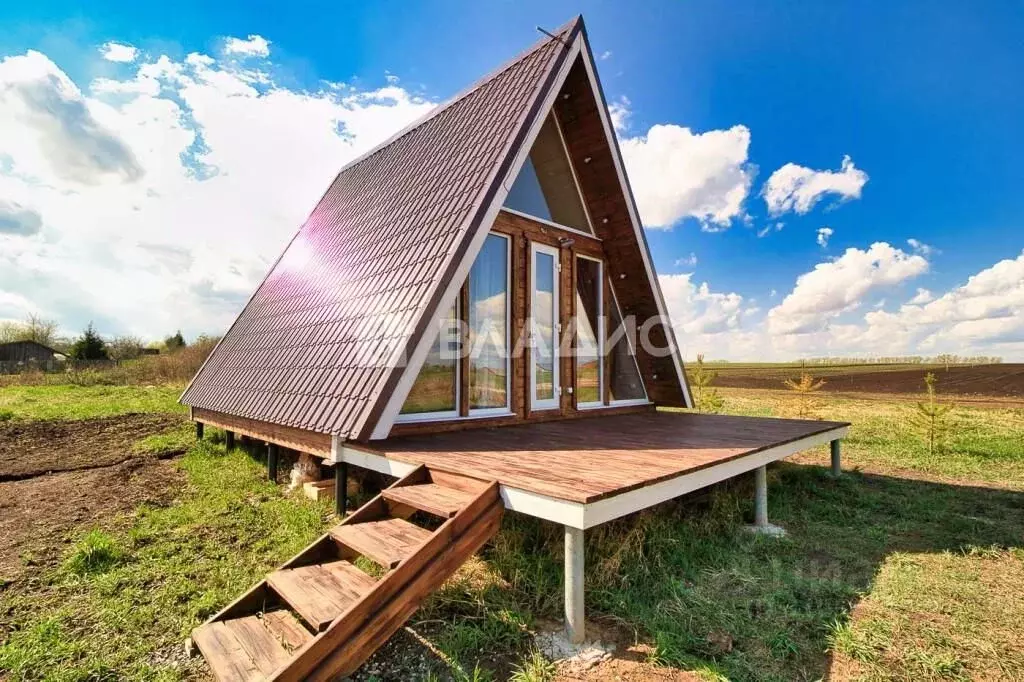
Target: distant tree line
90 345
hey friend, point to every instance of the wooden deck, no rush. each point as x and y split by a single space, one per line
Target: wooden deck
587 460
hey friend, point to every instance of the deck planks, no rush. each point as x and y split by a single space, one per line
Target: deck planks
587 460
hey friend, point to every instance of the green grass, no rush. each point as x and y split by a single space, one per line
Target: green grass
908 567
121 603
84 402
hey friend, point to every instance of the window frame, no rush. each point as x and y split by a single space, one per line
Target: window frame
553 403
507 407
575 181
438 415
624 402
600 332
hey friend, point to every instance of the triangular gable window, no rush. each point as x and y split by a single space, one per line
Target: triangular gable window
546 187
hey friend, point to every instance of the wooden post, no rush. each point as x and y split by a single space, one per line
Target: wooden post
340 488
272 462
229 440
837 468
199 430
575 627
761 497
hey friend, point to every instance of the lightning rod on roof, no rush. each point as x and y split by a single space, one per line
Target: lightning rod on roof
552 35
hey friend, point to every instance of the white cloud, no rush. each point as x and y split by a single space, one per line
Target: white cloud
824 233
620 113
838 286
118 52
677 174
797 188
687 262
156 201
922 296
254 46
985 316
605 55
768 229
921 248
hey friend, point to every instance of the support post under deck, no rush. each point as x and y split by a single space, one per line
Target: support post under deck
761 524
574 609
272 462
340 488
761 497
837 458
199 430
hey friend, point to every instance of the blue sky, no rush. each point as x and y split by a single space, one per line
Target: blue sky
924 99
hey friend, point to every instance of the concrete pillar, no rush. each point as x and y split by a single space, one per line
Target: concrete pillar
340 488
272 462
761 497
837 460
761 524
229 440
199 430
574 611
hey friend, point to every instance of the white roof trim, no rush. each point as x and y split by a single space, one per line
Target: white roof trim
609 131
419 354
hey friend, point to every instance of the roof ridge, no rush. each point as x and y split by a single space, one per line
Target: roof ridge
461 94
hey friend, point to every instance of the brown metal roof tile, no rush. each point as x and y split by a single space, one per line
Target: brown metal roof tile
362 277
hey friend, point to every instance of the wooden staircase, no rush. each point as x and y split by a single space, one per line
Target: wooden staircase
321 615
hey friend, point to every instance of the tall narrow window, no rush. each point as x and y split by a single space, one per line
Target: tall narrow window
488 326
546 187
589 336
435 392
544 337
624 382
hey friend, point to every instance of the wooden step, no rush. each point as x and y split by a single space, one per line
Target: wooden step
321 592
430 497
386 541
251 647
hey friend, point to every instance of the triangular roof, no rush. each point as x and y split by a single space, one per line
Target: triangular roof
333 337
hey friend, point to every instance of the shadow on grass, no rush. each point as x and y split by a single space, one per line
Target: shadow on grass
713 598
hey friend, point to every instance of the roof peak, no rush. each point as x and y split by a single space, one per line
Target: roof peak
566 30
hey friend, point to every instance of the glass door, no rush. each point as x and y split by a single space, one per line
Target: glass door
544 326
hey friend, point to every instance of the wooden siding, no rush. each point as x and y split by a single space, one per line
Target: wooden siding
318 444
524 231
592 158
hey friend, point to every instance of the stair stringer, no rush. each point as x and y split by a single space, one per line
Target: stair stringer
369 622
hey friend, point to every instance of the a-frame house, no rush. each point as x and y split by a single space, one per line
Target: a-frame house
471 307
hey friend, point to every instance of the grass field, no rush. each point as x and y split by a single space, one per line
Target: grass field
910 567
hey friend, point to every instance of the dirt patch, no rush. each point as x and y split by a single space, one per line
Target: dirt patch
1000 381
33 448
40 516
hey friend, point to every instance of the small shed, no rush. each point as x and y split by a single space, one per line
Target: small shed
18 355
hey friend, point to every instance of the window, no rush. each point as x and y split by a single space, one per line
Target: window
589 336
546 187
435 392
489 327
624 382
544 327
